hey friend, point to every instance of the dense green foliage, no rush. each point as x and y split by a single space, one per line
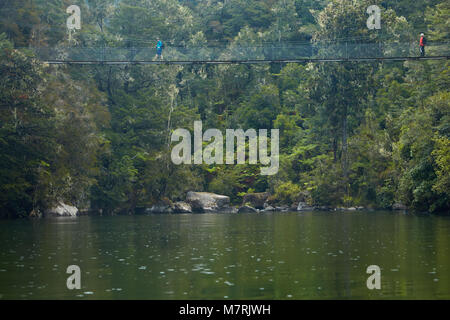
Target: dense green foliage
351 134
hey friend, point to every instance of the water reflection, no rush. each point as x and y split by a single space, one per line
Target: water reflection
267 256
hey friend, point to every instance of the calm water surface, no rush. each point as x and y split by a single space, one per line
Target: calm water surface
261 256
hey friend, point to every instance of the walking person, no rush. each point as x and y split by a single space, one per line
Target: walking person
422 44
159 49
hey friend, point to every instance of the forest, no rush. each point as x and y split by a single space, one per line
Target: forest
372 134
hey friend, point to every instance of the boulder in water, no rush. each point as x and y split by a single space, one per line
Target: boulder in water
208 202
303 206
269 208
160 207
182 207
247 209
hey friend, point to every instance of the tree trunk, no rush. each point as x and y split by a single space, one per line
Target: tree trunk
344 143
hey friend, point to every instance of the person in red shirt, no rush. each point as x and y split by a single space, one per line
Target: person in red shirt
422 44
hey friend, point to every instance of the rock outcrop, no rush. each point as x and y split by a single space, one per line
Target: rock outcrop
247 209
62 210
255 200
302 206
204 202
161 207
269 208
182 207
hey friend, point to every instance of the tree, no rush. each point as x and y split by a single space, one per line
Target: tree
18 19
25 131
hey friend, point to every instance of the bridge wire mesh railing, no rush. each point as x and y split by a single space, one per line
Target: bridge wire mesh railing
238 52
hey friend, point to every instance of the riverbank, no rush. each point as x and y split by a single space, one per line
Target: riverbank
205 202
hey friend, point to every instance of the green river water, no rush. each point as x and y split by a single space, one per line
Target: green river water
312 255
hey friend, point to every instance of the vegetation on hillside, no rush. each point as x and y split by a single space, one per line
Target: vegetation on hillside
351 134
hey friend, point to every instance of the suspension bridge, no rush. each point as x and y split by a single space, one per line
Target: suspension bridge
244 53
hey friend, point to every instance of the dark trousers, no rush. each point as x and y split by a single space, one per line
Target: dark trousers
422 51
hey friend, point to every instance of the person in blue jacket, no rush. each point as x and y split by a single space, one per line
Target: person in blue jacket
159 49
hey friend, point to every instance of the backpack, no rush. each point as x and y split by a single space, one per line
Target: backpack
423 41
